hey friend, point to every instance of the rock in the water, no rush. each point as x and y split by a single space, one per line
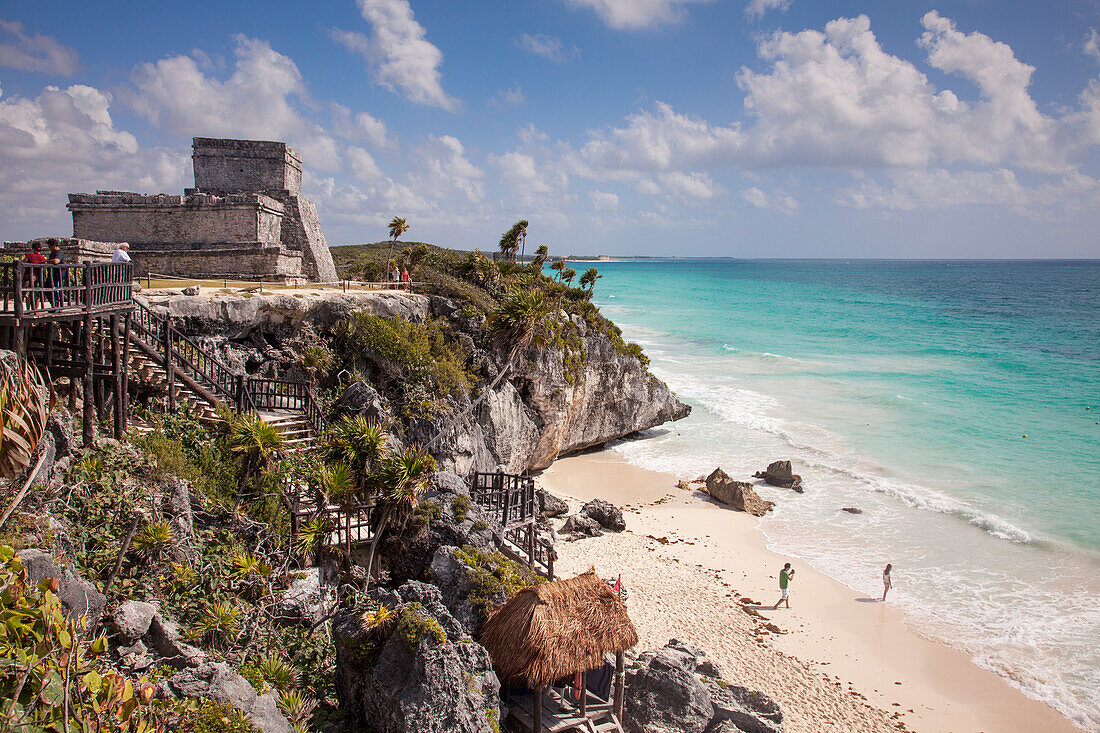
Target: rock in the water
779 473
664 695
581 524
218 681
607 514
438 684
79 597
131 620
851 510
737 494
550 505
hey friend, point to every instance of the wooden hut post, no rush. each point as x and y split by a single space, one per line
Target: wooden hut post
584 694
619 682
536 722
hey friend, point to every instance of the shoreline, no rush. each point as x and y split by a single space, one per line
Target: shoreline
836 660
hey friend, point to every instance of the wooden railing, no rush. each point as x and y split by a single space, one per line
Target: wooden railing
32 289
509 499
178 353
534 550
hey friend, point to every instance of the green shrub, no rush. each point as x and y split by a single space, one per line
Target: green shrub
415 624
461 506
491 574
215 717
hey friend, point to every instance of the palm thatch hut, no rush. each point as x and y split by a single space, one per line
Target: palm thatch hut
555 630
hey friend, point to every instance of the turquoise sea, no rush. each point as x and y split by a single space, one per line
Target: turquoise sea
905 389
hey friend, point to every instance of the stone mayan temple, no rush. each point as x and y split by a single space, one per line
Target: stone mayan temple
245 217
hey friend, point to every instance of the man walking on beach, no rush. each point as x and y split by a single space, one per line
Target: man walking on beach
786 575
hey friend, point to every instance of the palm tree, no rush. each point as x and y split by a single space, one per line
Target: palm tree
567 275
510 240
523 317
404 476
360 443
540 258
397 228
589 278
522 224
336 483
257 442
558 267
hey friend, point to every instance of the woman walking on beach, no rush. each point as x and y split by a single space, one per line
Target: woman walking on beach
887 584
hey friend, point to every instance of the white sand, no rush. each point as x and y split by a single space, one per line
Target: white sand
838 663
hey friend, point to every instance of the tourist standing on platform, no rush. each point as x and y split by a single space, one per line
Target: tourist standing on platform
122 254
35 255
404 278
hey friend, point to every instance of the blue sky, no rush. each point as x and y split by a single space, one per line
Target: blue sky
788 128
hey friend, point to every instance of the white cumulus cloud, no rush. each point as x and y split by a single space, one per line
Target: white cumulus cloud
35 52
360 126
548 47
757 8
633 15
65 140
777 201
256 101
398 54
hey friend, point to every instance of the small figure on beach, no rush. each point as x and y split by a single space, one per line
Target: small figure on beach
887 584
786 575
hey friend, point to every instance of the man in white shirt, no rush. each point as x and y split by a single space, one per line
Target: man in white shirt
121 254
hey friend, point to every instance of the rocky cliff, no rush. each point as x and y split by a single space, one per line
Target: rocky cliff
547 406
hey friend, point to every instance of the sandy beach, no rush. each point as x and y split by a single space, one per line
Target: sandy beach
836 661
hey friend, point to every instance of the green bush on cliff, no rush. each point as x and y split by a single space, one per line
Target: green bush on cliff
414 624
491 574
420 358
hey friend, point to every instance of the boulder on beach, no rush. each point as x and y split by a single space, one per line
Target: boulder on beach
779 473
737 494
605 513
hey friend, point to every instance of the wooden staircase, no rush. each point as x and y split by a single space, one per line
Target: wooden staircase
191 377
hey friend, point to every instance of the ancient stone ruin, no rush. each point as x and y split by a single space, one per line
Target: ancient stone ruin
245 217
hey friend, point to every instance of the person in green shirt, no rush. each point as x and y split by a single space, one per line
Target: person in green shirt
786 575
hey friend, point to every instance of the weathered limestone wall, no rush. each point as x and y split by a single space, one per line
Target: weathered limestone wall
230 166
76 250
302 233
163 219
254 262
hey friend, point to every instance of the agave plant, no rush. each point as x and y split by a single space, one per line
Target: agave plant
246 566
379 618
25 403
152 540
405 477
316 359
298 708
279 673
312 533
217 623
358 443
257 442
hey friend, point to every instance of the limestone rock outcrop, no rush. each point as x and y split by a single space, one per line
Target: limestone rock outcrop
420 674
606 514
581 525
550 505
218 681
79 597
677 689
737 494
779 473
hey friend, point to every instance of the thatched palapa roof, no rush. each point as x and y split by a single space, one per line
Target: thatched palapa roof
556 629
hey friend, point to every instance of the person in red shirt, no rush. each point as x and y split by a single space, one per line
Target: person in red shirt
34 278
35 255
404 278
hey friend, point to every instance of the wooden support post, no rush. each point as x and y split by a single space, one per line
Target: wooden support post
20 340
240 393
584 694
536 724
168 368
619 683
126 371
89 406
101 361
50 328
116 363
